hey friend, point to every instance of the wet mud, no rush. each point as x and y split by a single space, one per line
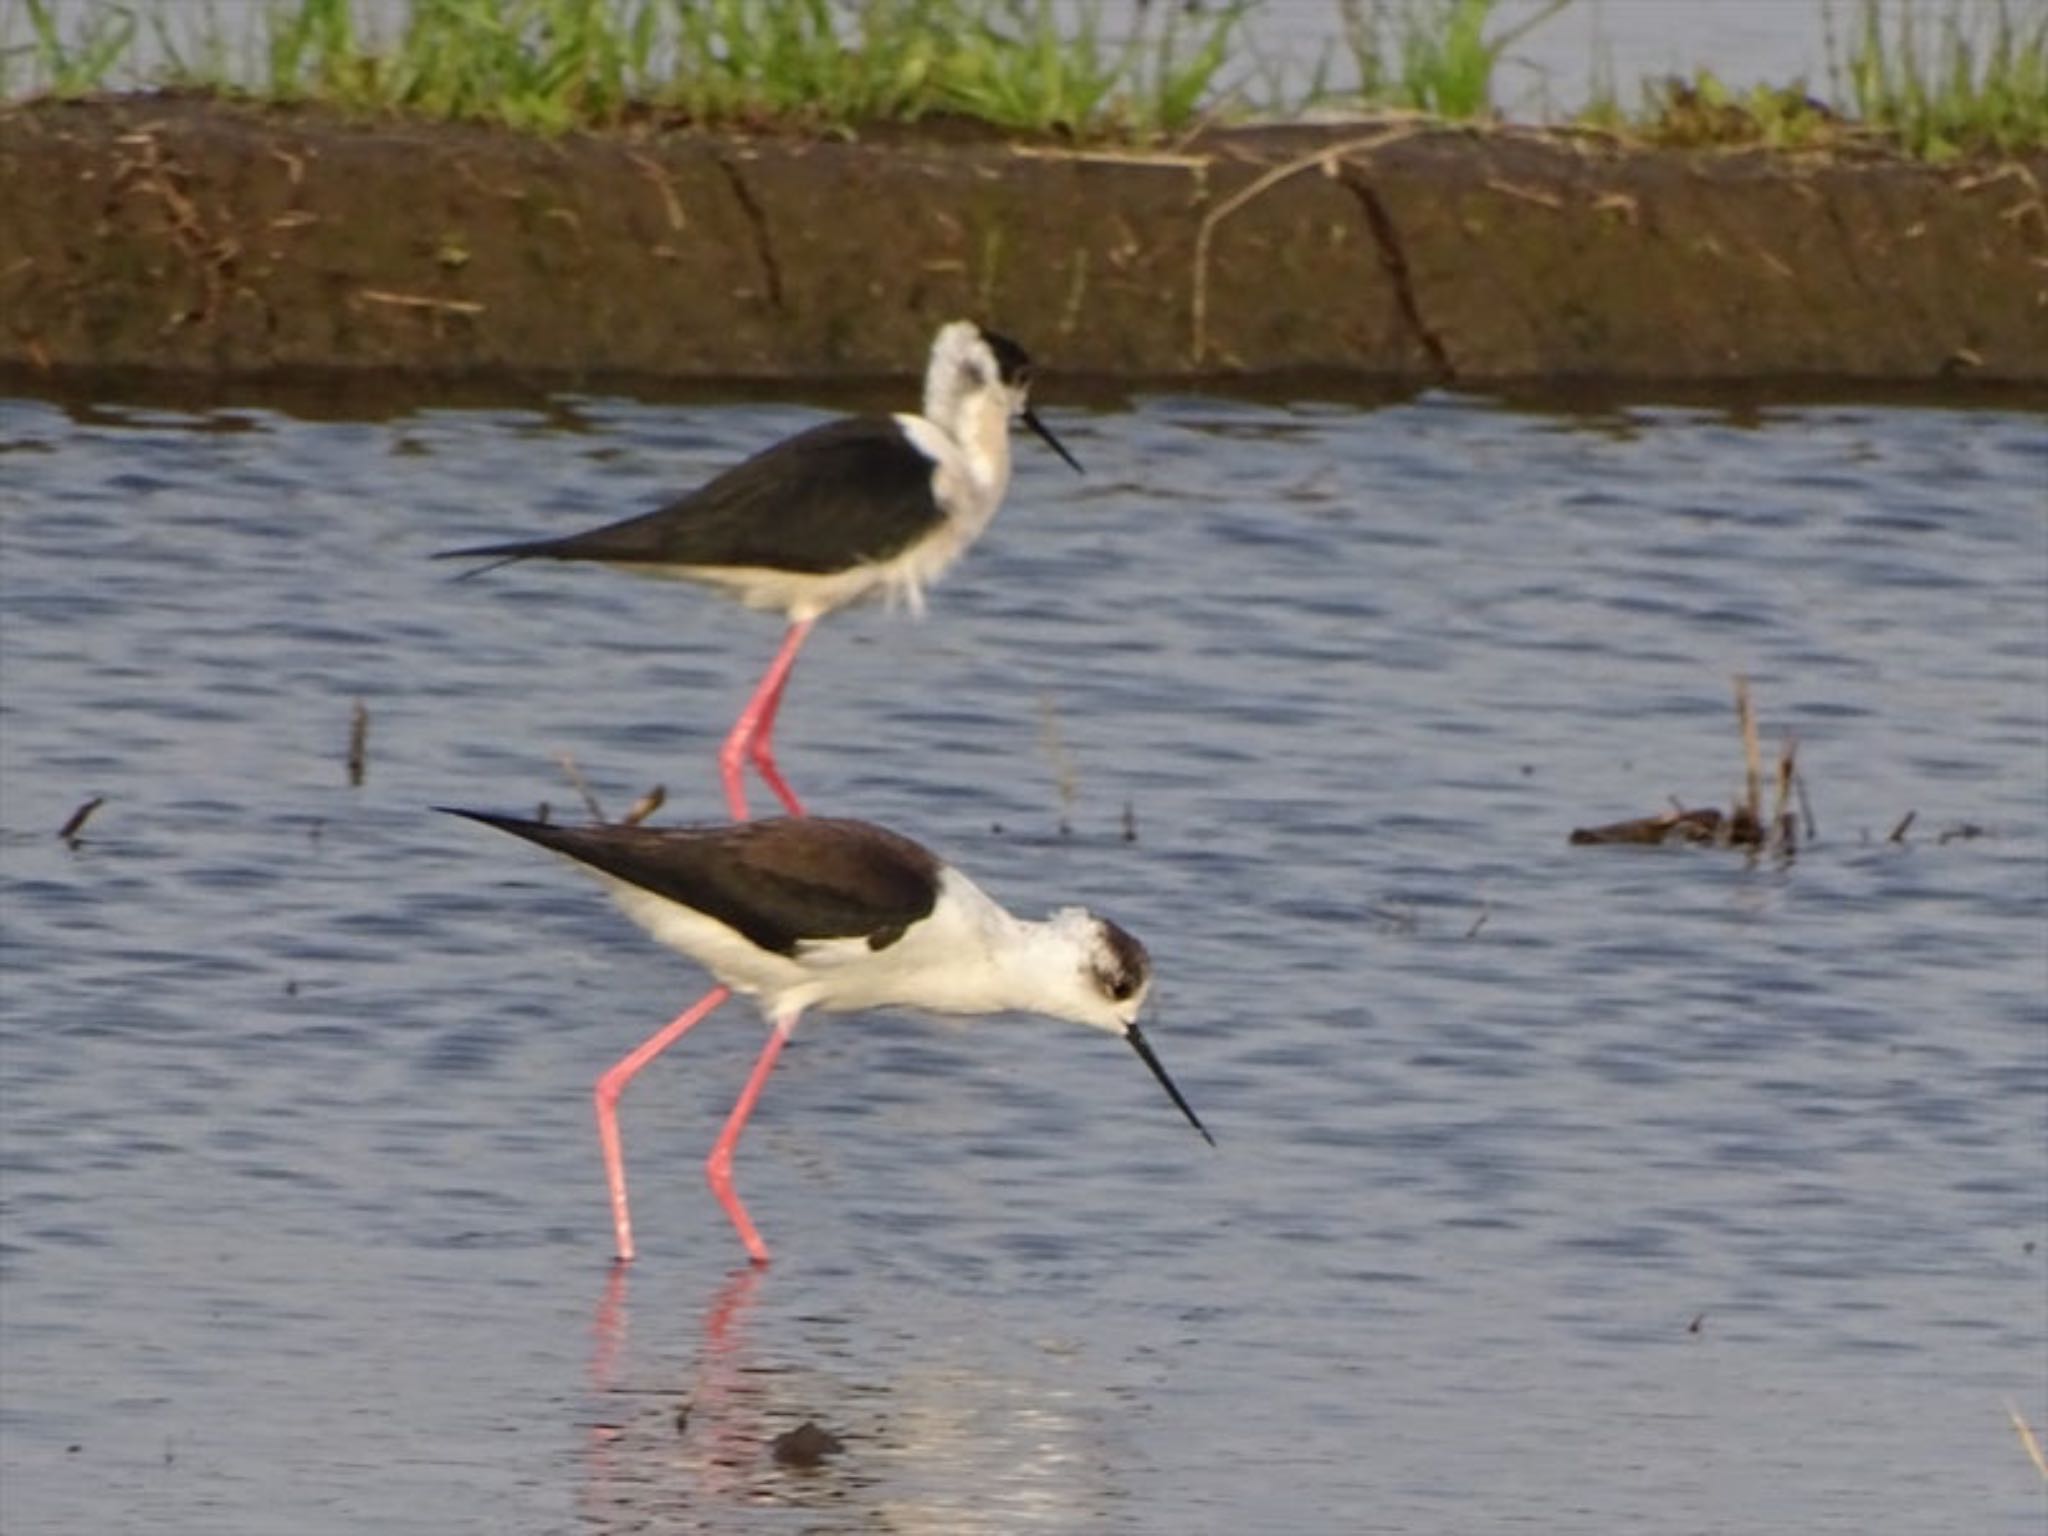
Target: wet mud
237 241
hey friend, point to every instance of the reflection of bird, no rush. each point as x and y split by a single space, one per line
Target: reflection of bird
840 916
861 507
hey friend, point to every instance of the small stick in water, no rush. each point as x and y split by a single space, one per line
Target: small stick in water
1899 832
358 744
1806 808
644 807
581 786
1479 922
76 823
1065 781
1752 751
1784 827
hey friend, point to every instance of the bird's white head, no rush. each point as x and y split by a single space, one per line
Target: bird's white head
977 383
1105 985
1105 976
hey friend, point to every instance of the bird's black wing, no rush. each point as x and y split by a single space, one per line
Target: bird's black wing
779 882
840 495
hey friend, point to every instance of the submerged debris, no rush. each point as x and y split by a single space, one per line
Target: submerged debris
1674 826
1744 824
805 1446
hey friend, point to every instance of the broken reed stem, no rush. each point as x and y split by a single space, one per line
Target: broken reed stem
1065 781
75 823
1783 827
580 785
1899 832
1752 755
358 744
644 807
1806 808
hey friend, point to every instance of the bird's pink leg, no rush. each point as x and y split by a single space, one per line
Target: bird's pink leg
761 748
752 733
718 1167
613 1083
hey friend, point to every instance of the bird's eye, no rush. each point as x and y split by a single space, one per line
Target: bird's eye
1122 989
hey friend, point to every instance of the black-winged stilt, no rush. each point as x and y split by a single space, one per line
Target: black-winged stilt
861 507
817 913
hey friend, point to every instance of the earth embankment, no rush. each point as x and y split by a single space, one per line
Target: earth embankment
189 235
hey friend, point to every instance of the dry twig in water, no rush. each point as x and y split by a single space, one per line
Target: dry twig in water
580 785
358 744
1752 758
644 807
1784 827
1806 808
1065 782
75 823
1899 832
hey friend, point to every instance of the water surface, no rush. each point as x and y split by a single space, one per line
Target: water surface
1558 1188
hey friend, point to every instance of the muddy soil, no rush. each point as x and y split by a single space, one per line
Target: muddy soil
194 236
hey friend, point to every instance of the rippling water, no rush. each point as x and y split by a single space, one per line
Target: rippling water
1559 1188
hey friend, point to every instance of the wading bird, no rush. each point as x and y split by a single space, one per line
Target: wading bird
838 916
862 507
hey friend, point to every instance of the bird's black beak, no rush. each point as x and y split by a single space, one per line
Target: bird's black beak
1030 419
1144 1049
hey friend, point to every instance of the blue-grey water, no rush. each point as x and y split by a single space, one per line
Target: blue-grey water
1559 1188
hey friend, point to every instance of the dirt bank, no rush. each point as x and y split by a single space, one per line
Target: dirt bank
240 241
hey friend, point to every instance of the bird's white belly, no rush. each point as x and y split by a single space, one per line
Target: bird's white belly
799 595
942 964
727 955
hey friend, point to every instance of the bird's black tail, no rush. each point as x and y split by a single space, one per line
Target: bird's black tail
496 555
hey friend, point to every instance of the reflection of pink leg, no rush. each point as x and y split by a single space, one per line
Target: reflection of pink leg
752 734
613 1083
718 1167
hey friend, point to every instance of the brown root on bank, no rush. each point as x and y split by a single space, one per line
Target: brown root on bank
1743 825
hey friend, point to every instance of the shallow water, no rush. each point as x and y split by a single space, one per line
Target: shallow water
1559 1188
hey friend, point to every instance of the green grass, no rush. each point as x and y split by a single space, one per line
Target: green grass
549 65
66 64
1975 80
1979 84
1704 112
1434 56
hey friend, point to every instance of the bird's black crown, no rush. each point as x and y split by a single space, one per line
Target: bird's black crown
1012 361
1125 966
